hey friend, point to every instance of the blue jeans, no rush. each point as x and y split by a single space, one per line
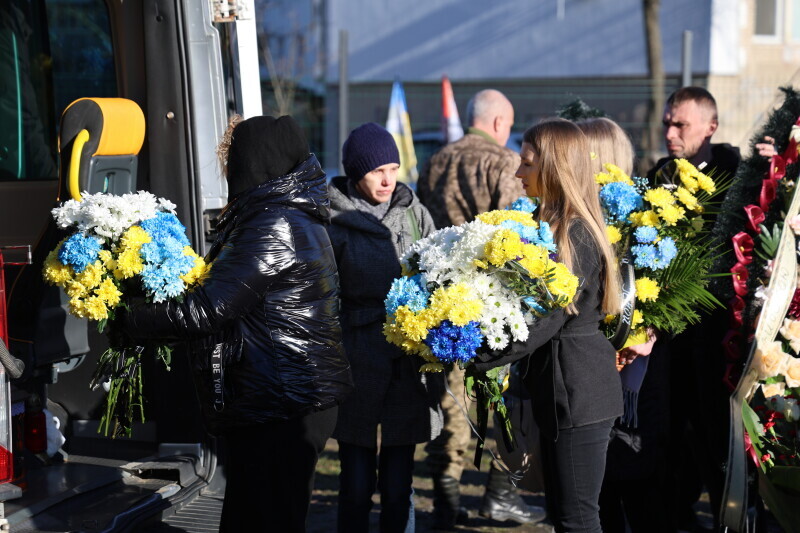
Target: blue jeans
574 466
392 472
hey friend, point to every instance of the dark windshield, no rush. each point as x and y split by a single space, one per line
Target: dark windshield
51 53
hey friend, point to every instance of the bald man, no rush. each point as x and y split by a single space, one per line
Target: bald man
471 176
476 173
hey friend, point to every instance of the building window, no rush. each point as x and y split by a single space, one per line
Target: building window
766 19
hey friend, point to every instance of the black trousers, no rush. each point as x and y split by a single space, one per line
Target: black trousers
269 473
573 474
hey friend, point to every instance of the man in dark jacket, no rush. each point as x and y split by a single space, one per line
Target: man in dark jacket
698 399
262 331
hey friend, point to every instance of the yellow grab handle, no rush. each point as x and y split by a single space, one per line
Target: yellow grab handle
75 164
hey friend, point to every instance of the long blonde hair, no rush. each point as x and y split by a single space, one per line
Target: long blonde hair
569 194
609 143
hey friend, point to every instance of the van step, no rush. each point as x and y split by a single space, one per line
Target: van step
201 515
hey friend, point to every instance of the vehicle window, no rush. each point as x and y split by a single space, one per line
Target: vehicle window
51 53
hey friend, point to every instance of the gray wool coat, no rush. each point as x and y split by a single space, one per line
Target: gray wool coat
389 389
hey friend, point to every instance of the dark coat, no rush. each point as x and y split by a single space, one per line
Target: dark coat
270 306
720 159
389 389
571 372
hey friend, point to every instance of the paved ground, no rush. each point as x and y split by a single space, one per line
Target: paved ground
322 518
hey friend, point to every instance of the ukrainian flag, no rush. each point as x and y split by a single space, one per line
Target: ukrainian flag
399 125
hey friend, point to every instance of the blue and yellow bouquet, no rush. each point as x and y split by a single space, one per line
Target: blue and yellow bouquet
477 286
121 247
660 231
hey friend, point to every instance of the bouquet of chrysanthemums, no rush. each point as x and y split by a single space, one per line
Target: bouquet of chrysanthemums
477 286
121 247
660 231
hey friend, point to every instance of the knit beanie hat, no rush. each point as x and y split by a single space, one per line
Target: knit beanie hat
368 147
262 149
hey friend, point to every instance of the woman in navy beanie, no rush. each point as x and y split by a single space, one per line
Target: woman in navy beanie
374 221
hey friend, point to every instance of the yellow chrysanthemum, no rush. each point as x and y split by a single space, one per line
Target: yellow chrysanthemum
562 283
617 174
412 326
671 214
55 272
456 303
77 308
75 289
129 261
610 319
706 183
499 216
613 233
659 197
644 218
504 246
686 198
637 318
91 275
109 293
603 178
95 308
478 263
637 336
198 270
535 267
646 289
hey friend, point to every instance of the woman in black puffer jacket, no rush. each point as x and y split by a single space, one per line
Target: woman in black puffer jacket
268 315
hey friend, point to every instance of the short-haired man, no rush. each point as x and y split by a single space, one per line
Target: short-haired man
698 436
463 179
476 173
690 119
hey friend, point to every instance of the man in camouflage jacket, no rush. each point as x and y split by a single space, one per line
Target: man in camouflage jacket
476 173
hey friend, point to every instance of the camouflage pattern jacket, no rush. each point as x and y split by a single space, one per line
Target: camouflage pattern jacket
468 177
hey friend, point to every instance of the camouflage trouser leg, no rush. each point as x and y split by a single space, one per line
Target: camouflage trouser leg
446 452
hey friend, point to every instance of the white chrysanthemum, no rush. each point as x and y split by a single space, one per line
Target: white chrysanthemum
108 215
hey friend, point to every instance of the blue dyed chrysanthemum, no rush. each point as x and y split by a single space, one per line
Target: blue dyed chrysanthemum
619 200
407 291
655 256
645 234
450 343
541 236
79 251
164 259
524 204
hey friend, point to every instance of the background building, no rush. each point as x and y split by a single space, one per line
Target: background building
542 54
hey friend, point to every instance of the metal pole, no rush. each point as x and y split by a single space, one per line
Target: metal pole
686 59
344 89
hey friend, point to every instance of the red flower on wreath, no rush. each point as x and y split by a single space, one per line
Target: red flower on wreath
755 217
769 191
743 247
794 307
777 167
736 306
731 345
740 276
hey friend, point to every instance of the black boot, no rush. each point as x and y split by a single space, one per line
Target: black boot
446 503
503 502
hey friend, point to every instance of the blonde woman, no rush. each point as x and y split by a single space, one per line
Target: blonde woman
571 370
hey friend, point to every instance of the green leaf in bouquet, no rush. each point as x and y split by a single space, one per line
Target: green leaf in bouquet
755 430
787 477
768 241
